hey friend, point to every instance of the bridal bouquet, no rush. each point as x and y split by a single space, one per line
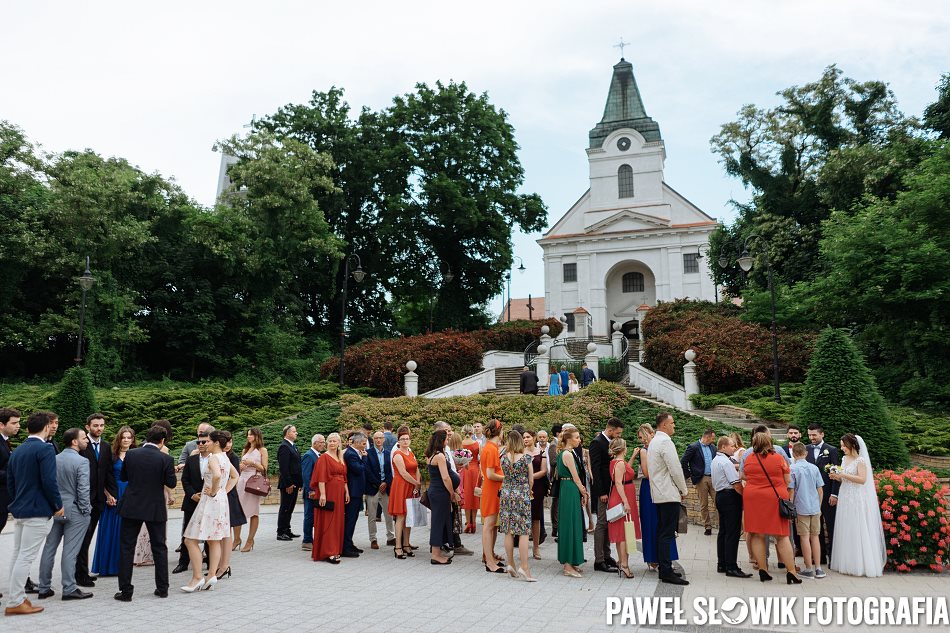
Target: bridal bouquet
831 468
461 457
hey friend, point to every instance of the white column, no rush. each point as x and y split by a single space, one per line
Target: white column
616 341
592 360
412 380
541 368
690 380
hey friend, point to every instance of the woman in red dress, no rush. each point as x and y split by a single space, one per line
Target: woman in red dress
328 487
762 470
470 477
405 482
622 491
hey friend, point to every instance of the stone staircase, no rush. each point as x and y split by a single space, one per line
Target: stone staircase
742 418
507 382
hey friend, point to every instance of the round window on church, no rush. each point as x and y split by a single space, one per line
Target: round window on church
623 143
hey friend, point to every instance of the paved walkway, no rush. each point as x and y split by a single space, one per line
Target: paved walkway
278 588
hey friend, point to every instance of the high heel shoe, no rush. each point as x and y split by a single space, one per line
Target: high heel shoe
401 556
536 554
512 572
433 561
210 583
409 552
497 570
198 587
764 575
248 546
524 576
236 546
792 579
624 572
224 574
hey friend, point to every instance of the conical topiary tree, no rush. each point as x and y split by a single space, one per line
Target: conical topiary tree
74 399
840 394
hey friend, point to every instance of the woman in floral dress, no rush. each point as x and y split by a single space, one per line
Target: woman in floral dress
514 516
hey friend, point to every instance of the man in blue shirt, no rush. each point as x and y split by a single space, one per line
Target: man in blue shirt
308 462
587 375
697 466
35 500
565 380
806 491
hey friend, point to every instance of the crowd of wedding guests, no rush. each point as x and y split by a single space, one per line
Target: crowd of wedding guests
787 495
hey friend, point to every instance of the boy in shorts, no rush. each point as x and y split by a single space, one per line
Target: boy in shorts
806 493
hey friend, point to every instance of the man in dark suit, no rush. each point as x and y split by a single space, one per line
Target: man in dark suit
587 375
529 381
308 462
355 459
289 480
697 467
101 481
148 472
9 427
34 501
599 491
823 455
192 482
379 478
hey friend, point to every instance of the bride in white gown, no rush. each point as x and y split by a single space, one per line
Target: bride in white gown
859 535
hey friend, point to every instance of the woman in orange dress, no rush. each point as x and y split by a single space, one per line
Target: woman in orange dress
470 477
405 483
622 491
762 470
492 476
328 488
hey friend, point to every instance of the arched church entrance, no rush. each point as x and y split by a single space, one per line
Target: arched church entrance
629 285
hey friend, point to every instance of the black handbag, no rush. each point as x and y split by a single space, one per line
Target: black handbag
328 506
785 508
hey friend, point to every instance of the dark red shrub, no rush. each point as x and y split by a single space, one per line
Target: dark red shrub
514 336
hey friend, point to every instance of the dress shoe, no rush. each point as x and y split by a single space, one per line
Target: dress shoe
738 573
30 586
24 608
605 567
180 568
122 596
673 580
350 554
178 549
158 593
391 542
307 546
284 537
86 582
374 545
78 594
292 535
46 593
357 550
708 532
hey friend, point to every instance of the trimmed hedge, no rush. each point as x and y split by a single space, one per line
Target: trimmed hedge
689 428
443 357
75 398
730 353
587 410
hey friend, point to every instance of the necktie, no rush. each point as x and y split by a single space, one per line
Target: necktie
95 447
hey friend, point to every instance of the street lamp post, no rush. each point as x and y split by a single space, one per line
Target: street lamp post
447 278
358 275
520 269
85 282
746 262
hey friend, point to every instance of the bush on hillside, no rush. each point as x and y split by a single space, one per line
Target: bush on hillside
323 419
587 410
916 518
380 364
730 353
514 336
689 428
840 393
74 399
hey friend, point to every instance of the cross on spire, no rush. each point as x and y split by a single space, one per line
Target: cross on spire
620 46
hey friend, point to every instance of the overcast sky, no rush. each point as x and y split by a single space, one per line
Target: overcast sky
158 83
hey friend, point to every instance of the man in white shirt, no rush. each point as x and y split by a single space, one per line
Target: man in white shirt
668 487
480 434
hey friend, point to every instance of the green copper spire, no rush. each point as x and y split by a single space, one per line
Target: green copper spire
624 108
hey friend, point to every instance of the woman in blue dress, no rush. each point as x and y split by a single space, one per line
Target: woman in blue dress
105 560
648 517
554 383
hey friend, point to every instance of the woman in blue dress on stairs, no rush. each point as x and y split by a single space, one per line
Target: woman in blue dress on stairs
105 560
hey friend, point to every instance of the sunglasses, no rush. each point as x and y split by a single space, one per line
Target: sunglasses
203 441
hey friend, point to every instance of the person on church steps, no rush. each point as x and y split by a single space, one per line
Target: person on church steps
554 383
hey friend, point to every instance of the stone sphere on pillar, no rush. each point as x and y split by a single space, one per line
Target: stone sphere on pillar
411 365
616 327
690 355
592 347
542 349
545 329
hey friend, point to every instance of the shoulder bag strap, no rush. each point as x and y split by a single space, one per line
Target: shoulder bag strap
767 476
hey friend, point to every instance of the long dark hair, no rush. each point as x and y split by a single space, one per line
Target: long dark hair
436 443
258 441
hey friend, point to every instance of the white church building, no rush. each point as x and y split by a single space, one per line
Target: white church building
631 240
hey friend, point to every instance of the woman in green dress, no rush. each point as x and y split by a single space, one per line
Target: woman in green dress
571 499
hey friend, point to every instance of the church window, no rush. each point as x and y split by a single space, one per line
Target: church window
690 263
570 322
633 282
625 181
570 272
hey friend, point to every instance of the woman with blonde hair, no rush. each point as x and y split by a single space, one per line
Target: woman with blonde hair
329 491
572 496
492 477
470 476
514 516
572 385
253 462
622 491
740 447
406 482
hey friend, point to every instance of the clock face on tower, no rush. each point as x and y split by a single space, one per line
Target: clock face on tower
623 143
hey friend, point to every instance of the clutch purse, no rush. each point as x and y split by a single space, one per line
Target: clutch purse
328 506
258 485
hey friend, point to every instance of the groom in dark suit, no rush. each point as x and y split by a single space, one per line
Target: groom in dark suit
101 481
148 471
600 489
355 459
822 454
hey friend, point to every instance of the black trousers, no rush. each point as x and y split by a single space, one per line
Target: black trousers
82 559
827 528
287 502
668 515
127 539
183 558
729 507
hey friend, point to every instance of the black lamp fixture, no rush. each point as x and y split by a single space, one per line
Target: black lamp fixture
358 275
86 281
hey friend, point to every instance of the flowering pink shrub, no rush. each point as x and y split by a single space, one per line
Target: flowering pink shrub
916 516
